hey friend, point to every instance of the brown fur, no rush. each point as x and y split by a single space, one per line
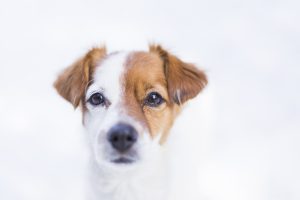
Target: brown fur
144 74
72 82
184 80
164 73
156 70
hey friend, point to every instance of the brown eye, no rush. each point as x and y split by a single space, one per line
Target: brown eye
154 99
96 99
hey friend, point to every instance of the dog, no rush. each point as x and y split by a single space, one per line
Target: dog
129 102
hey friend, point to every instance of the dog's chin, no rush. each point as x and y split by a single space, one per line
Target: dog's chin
120 164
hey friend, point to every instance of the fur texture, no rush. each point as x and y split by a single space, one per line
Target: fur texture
125 80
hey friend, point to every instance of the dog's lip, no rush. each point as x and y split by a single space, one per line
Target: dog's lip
123 160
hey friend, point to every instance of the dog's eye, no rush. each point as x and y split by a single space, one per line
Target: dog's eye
96 99
154 99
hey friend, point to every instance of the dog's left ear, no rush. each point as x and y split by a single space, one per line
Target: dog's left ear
72 82
184 80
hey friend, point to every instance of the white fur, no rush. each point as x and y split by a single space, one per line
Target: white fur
143 179
160 172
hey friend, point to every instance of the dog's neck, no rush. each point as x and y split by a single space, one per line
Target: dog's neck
140 183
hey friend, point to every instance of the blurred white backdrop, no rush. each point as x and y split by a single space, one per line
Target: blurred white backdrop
250 50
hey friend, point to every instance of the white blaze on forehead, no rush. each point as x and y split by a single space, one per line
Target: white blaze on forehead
108 75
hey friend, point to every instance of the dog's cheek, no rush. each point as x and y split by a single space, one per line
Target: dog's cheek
160 121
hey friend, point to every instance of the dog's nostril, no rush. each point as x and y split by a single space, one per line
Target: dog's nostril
115 139
122 137
129 138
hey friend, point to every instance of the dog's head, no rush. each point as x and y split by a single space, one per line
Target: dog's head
129 100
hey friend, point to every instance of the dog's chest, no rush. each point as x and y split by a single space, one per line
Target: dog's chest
148 184
130 189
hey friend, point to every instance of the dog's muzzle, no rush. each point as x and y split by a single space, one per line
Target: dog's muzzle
122 138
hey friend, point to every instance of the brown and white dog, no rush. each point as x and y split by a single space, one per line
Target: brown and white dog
129 102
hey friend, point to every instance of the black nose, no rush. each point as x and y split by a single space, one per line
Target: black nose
122 137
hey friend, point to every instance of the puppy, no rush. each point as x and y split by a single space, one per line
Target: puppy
129 102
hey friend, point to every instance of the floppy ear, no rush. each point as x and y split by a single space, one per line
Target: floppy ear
72 82
184 80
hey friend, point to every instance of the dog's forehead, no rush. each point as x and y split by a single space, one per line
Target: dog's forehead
123 68
108 74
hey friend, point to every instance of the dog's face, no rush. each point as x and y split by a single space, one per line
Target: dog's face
129 100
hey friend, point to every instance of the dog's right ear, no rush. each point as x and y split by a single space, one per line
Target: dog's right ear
72 82
184 80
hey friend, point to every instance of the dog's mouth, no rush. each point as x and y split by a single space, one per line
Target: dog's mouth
123 160
128 157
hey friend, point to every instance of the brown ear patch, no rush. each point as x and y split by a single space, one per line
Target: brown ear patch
184 80
72 82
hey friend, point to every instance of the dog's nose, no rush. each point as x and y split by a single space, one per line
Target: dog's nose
122 137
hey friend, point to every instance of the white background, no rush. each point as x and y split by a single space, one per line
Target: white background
250 50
